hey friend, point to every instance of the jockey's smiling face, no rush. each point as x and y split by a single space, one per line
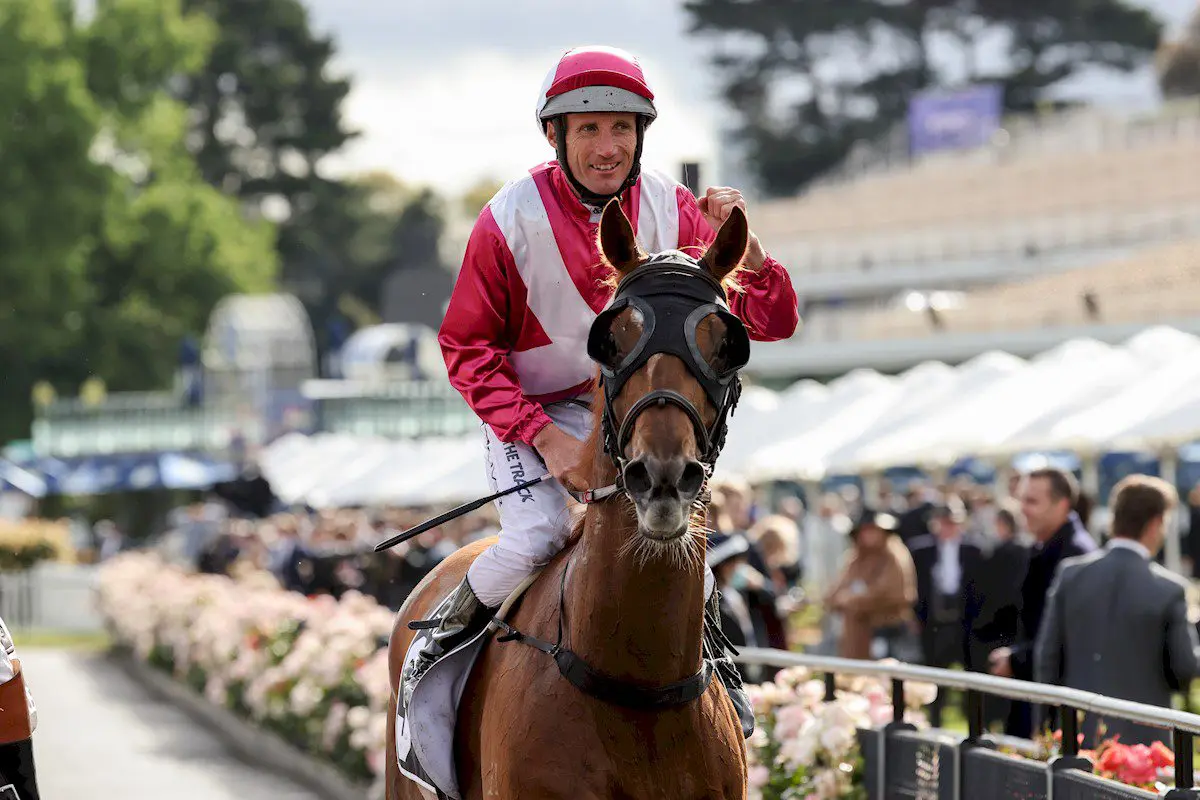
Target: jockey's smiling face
600 148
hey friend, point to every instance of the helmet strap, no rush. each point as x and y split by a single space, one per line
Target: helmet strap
586 195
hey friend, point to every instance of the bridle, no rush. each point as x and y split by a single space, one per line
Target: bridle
673 293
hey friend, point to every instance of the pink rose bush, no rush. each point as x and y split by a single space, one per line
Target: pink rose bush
807 749
313 670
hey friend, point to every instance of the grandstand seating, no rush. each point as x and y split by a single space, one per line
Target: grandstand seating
1083 180
1158 284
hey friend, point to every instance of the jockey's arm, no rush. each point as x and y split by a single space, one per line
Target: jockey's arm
767 302
476 337
18 719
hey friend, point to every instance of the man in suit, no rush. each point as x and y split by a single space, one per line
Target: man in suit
944 561
914 522
1116 622
1048 496
994 602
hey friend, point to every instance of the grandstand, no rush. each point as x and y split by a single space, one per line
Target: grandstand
1073 223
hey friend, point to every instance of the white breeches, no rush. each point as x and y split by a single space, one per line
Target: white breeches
535 522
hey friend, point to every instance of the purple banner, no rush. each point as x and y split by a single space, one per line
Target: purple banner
953 120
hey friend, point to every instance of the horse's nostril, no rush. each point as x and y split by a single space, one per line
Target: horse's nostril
692 478
637 478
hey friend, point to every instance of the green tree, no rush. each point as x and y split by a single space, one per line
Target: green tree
50 196
266 110
266 107
811 78
118 247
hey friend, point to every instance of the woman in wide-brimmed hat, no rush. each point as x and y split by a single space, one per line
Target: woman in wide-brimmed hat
877 587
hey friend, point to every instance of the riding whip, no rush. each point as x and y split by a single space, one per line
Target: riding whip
465 508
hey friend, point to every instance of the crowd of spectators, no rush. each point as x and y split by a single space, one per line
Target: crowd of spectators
954 575
320 551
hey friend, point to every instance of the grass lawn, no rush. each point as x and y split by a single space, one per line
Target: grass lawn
34 638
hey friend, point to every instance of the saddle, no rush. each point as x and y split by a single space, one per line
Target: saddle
425 728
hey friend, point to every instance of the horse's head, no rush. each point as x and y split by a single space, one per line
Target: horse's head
669 352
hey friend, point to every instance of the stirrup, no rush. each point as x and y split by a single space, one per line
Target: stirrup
459 617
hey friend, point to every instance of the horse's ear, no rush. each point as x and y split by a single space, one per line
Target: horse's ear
618 243
729 248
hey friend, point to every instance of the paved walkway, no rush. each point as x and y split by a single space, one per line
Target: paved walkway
102 735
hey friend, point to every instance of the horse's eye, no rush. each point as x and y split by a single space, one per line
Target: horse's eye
730 347
606 350
613 337
720 356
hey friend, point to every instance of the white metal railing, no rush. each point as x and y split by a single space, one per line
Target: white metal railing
1027 691
51 596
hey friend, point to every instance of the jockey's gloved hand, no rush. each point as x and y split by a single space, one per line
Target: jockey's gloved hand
560 452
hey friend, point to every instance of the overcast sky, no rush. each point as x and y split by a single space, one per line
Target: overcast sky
444 92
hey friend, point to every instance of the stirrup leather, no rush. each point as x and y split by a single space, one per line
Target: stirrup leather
716 645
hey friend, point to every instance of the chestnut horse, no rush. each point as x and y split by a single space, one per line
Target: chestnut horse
629 584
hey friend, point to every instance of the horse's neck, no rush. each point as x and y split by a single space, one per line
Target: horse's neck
628 620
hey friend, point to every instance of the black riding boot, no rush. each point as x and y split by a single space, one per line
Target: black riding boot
715 645
16 768
463 616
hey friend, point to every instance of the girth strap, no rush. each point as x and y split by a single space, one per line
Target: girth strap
590 681
630 695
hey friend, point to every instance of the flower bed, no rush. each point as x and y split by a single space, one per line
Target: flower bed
24 543
315 671
807 749
1149 767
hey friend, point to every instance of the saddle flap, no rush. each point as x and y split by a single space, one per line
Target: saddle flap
425 729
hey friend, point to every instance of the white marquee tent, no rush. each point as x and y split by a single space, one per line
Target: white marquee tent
802 407
1084 395
894 446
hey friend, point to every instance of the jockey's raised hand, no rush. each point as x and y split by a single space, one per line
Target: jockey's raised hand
716 206
561 451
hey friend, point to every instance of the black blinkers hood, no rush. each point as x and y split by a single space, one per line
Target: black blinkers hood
673 294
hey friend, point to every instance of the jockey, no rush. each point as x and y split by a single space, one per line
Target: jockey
18 719
531 284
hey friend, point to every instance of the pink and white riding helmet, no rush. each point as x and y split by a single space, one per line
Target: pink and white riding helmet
595 79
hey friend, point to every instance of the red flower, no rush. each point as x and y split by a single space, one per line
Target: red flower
1112 758
1139 765
1162 755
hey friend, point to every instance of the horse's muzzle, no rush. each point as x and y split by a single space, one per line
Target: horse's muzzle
663 491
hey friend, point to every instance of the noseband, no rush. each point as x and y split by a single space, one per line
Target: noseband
673 293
